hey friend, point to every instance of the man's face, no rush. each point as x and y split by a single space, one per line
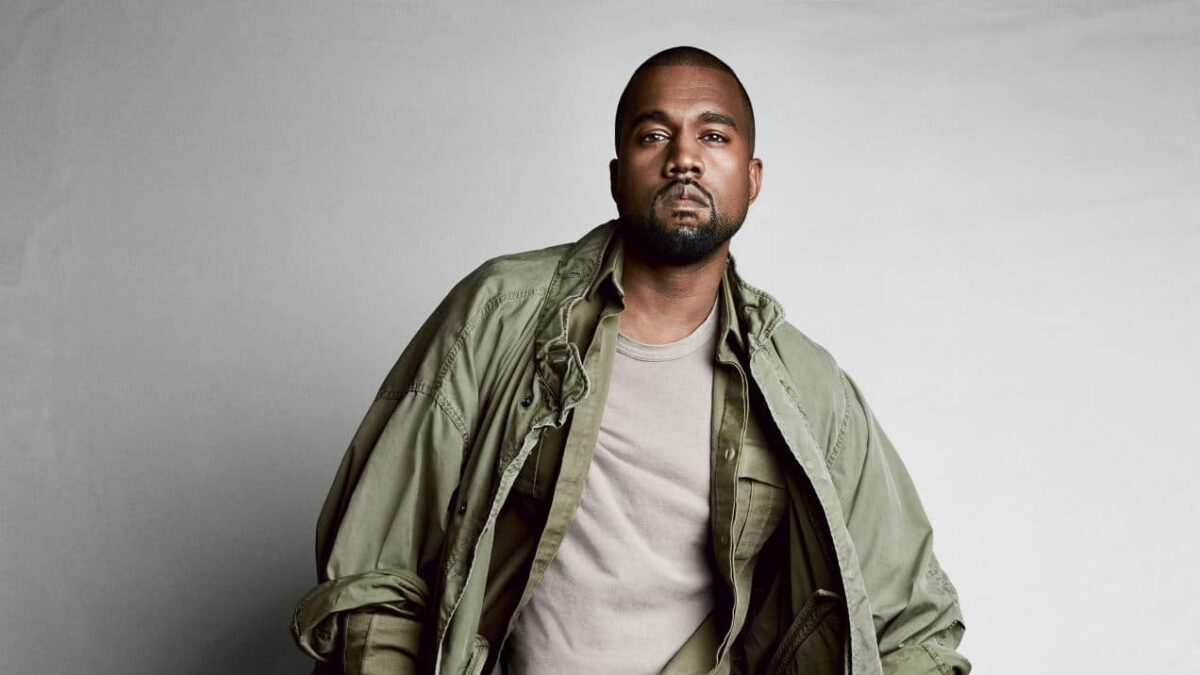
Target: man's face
683 178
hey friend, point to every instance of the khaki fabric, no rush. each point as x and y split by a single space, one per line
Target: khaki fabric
442 513
697 655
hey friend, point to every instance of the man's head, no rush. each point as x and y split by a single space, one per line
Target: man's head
685 174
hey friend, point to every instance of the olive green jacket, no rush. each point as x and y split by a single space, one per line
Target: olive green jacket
512 365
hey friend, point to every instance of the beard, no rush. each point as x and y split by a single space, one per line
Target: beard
658 243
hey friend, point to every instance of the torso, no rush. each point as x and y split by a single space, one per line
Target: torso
632 578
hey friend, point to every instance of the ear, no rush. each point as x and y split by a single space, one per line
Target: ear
755 169
612 179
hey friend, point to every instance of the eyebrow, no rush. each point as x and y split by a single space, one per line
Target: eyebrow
708 116
649 116
718 118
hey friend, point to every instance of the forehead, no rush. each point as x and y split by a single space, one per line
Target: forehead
684 89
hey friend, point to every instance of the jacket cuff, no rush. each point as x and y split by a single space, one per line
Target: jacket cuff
390 593
926 658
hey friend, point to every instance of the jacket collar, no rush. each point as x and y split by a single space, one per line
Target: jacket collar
593 265
741 303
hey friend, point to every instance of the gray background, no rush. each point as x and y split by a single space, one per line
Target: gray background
220 222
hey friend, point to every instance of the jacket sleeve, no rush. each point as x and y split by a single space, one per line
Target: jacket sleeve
918 622
379 537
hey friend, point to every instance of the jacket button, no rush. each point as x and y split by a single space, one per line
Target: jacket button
525 402
462 508
729 454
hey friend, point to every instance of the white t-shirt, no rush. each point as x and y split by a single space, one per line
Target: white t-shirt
632 579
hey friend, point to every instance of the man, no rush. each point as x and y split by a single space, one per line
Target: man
614 456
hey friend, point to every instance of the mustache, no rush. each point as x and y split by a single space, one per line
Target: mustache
680 187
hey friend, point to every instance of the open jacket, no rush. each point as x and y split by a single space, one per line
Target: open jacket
513 364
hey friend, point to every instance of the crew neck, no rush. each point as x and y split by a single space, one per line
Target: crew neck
705 334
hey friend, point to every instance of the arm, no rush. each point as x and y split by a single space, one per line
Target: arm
918 621
379 537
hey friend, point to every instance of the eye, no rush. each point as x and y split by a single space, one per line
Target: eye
652 137
714 137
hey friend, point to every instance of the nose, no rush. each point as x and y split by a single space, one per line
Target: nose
683 158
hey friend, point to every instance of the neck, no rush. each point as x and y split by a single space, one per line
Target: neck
665 303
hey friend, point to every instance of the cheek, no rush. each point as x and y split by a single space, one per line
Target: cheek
631 195
736 184
637 183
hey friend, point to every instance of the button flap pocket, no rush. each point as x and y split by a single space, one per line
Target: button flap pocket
758 461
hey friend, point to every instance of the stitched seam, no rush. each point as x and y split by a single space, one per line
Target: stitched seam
788 389
770 328
794 398
366 646
839 441
439 397
937 660
796 634
473 322
552 288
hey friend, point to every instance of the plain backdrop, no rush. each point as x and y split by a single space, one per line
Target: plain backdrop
220 223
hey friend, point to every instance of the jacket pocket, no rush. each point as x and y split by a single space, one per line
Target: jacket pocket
815 643
762 497
478 658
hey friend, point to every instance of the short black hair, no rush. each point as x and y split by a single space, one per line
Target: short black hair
682 56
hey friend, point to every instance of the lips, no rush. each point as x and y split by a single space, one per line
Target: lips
684 195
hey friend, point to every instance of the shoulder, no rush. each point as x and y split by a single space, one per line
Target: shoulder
483 315
808 372
512 275
516 281
814 380
803 358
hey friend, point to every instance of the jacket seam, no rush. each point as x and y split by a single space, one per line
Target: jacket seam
769 329
785 381
436 389
839 441
473 322
784 378
781 374
440 399
362 663
937 660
